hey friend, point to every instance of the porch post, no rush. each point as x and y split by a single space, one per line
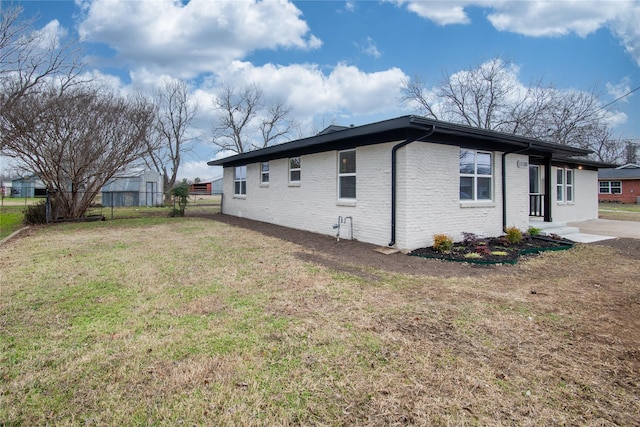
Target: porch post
547 189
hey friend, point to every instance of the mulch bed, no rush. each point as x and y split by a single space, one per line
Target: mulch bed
494 250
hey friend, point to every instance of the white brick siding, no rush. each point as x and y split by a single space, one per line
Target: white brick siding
313 204
427 195
517 168
585 204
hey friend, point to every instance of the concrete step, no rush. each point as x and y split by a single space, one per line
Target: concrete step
558 228
567 232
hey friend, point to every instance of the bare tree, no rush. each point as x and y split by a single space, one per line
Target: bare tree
174 114
31 60
489 96
76 141
244 123
631 151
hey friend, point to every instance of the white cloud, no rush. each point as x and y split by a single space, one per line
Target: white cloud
199 169
51 35
619 90
625 27
350 5
370 48
442 13
543 18
311 93
557 18
196 37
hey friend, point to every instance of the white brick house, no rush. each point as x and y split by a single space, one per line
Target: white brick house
400 181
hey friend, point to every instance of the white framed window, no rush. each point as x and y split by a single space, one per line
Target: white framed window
347 174
476 175
264 173
294 170
564 185
568 187
240 181
610 187
560 184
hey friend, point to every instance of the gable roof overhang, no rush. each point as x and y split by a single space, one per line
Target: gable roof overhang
400 129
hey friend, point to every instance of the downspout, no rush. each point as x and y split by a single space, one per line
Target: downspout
393 178
504 183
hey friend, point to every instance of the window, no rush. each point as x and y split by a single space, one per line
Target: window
610 187
564 185
476 171
560 185
264 173
240 181
294 169
347 174
569 185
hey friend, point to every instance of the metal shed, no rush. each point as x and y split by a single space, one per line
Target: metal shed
142 189
28 186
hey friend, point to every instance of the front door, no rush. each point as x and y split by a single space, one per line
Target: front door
536 197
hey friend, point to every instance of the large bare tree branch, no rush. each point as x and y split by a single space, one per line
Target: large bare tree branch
31 60
243 122
174 114
490 97
76 141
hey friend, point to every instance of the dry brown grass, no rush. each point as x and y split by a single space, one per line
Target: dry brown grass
194 322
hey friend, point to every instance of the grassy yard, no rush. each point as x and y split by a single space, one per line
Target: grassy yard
625 212
186 321
12 211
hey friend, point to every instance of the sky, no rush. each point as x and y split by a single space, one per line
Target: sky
343 62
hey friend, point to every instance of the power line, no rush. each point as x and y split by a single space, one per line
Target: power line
619 98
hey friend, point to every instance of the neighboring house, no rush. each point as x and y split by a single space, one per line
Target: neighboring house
400 181
140 189
206 188
200 188
29 186
621 184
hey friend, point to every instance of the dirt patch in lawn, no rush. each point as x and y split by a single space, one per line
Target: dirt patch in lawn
360 258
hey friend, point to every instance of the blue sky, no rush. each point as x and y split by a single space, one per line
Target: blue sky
343 62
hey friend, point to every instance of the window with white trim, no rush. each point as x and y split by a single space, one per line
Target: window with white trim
240 181
294 170
347 174
610 187
568 187
564 185
264 173
560 184
476 175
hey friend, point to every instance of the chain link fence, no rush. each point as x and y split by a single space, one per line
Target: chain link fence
114 205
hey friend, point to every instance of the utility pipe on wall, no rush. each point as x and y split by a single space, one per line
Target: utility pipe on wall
393 178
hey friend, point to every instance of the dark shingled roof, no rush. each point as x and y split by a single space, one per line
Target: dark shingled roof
624 172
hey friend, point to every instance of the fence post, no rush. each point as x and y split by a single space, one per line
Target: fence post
47 208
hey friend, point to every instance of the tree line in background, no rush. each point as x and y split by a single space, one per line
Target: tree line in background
76 134
490 97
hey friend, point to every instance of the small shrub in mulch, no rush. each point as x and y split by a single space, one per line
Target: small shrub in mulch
494 250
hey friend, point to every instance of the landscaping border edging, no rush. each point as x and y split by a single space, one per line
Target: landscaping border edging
562 245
